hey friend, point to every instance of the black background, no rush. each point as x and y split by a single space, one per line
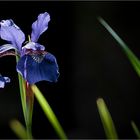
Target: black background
91 65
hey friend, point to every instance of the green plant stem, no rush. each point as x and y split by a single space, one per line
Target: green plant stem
48 112
30 103
25 106
22 92
29 131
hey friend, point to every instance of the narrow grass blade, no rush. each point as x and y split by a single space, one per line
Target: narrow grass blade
106 119
131 56
136 130
48 112
18 129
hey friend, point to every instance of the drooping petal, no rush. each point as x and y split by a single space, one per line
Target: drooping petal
12 33
40 26
4 80
6 47
35 68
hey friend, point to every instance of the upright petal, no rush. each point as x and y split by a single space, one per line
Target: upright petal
4 80
12 33
35 68
32 46
40 26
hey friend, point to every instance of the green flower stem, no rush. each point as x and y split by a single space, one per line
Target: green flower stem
30 103
22 92
26 107
48 112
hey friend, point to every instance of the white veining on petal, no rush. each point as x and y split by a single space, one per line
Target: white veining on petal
38 57
25 68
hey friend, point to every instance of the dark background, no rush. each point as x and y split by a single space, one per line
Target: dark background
91 65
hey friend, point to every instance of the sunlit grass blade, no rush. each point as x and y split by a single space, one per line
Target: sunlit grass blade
136 130
49 112
106 119
131 56
18 129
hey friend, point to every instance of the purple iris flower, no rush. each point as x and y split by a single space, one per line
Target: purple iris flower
35 64
3 80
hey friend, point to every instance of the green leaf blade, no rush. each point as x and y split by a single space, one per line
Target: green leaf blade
48 112
18 129
130 55
135 128
106 119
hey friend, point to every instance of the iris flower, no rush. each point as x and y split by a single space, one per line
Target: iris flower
35 64
3 80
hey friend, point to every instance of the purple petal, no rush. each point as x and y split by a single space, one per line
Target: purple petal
33 46
35 68
4 80
6 47
11 32
2 83
7 79
40 26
